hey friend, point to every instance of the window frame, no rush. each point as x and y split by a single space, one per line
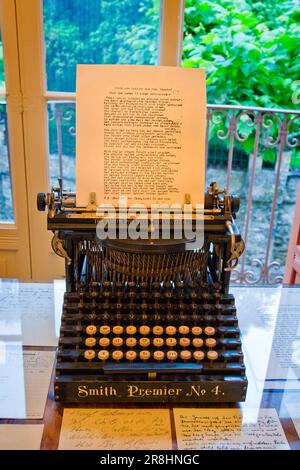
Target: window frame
27 98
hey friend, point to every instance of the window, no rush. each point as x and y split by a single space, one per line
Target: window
6 203
93 31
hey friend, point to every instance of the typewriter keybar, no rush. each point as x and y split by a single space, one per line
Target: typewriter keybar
144 330
211 342
172 355
185 355
183 330
171 342
158 342
117 341
198 355
196 330
90 342
118 329
131 330
197 342
145 355
104 342
184 342
209 330
103 355
91 330
158 355
117 355
158 330
212 355
144 342
89 354
104 329
171 330
131 355
131 342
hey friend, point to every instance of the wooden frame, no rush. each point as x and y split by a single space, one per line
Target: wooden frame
27 98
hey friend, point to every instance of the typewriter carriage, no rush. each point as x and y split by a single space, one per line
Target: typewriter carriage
90 260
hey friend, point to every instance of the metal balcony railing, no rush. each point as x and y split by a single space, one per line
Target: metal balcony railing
254 152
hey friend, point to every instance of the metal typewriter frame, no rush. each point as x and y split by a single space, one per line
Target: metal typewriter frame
72 225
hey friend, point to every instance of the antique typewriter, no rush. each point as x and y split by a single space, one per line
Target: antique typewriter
147 321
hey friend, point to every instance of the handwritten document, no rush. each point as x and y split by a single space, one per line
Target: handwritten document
270 319
224 429
27 313
24 381
140 133
115 429
21 436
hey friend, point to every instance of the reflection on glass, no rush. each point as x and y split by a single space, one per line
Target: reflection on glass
97 32
61 119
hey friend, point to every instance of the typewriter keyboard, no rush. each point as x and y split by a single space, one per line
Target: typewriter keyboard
115 329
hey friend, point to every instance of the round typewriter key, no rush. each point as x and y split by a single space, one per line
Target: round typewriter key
209 330
90 342
103 355
118 330
131 342
158 355
197 342
144 342
145 355
89 354
212 355
197 330
144 330
131 330
130 355
117 341
172 355
158 330
104 329
183 330
171 330
117 355
211 342
158 342
104 342
171 342
91 330
198 355
185 355
184 342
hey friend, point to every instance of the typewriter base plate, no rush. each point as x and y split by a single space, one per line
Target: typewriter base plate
149 391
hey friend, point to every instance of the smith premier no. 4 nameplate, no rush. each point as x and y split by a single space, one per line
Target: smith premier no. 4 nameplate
147 320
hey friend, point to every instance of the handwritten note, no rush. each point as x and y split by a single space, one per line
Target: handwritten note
21 436
270 319
24 381
115 429
27 312
224 429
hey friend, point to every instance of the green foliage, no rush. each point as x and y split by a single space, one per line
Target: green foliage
248 48
94 31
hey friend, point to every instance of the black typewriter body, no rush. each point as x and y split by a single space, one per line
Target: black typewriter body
147 321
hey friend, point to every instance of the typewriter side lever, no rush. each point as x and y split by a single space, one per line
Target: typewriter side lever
236 248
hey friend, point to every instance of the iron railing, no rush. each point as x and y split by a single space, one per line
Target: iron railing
252 151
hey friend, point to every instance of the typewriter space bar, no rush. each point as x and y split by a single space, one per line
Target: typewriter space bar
163 368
